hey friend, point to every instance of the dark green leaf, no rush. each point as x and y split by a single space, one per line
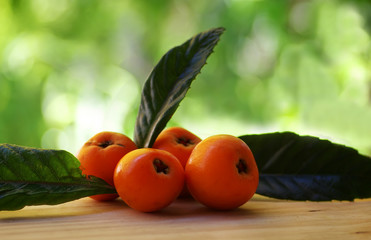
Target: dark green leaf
30 176
307 168
169 82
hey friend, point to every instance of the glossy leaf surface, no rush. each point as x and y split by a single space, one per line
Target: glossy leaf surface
169 82
30 176
308 168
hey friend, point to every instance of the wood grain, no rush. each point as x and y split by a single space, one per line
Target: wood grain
260 218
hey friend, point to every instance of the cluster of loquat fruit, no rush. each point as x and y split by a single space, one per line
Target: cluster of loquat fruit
220 171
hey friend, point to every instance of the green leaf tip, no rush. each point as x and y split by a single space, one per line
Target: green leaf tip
169 82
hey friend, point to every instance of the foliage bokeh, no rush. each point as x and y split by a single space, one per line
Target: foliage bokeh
69 69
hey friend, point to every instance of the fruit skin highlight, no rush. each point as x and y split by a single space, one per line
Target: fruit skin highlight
149 179
221 172
100 155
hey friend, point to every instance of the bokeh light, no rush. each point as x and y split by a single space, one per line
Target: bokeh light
72 69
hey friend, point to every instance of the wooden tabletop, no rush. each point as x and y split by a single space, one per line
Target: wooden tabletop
260 218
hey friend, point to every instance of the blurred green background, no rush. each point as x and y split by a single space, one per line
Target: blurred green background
70 69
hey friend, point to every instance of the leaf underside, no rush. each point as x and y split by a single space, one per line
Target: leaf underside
168 84
30 176
297 167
